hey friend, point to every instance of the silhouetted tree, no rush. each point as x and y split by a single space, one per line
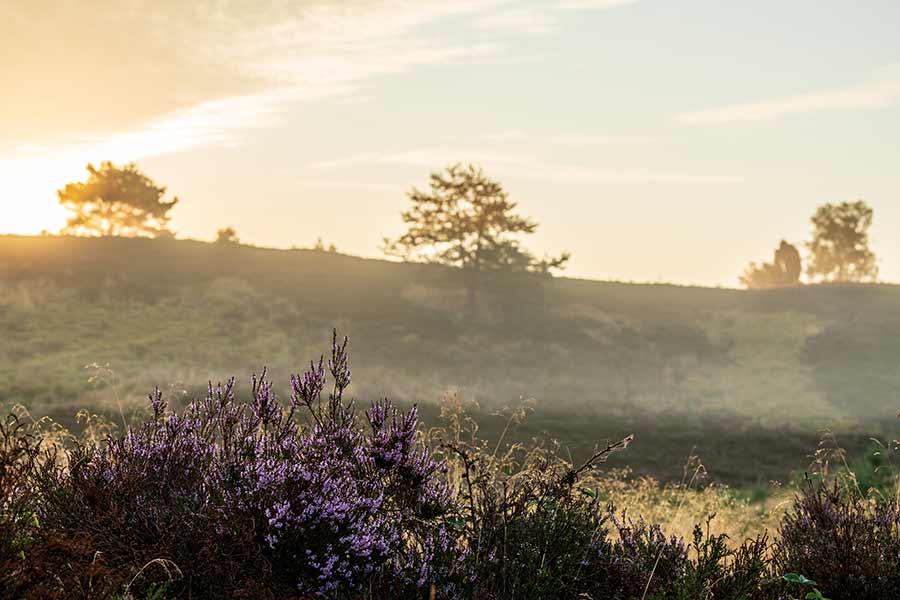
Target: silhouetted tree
783 271
320 246
116 201
787 260
227 235
467 220
839 250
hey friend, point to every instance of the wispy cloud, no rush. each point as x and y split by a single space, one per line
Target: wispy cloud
223 68
508 135
233 53
213 74
530 19
518 135
578 174
880 93
540 19
591 4
354 185
33 172
427 157
598 140
208 76
521 165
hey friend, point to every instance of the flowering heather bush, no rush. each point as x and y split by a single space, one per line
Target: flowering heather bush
246 500
848 543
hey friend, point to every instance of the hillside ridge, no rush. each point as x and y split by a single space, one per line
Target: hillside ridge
676 362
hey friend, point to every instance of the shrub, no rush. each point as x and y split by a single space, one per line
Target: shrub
533 530
249 502
58 567
19 452
848 543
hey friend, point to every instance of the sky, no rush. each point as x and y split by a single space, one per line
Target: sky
655 140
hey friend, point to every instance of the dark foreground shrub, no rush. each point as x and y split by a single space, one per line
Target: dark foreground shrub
572 553
847 543
530 530
19 452
55 567
248 503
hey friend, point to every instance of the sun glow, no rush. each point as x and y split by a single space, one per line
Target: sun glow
32 174
30 205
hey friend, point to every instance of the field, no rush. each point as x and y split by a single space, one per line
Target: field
744 380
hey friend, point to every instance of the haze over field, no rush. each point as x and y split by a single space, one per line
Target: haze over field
655 140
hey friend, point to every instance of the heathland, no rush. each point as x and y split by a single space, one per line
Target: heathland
745 380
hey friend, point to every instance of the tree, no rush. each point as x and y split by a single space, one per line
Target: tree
839 250
466 220
783 271
320 246
227 235
116 201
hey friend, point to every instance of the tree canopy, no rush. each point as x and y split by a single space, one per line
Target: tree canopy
467 220
839 250
116 201
227 235
784 270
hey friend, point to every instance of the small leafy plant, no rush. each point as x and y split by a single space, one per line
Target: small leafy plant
801 581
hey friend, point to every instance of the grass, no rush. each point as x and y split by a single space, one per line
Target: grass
744 379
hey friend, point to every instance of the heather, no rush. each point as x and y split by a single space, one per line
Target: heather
244 500
314 497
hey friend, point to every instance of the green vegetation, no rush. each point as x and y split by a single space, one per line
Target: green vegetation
745 380
839 251
227 235
784 270
467 221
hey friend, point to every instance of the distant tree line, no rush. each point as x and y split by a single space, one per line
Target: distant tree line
839 251
467 220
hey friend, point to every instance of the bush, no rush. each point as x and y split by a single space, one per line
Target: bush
247 502
533 530
848 543
19 453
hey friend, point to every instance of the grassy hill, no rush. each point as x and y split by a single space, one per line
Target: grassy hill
745 379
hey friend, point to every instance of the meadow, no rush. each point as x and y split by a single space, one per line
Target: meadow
744 380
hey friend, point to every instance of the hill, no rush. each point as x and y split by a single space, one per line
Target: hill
744 379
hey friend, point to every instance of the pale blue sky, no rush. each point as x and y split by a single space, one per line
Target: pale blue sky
656 140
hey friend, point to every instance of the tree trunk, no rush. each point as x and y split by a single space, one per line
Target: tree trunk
472 279
471 275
